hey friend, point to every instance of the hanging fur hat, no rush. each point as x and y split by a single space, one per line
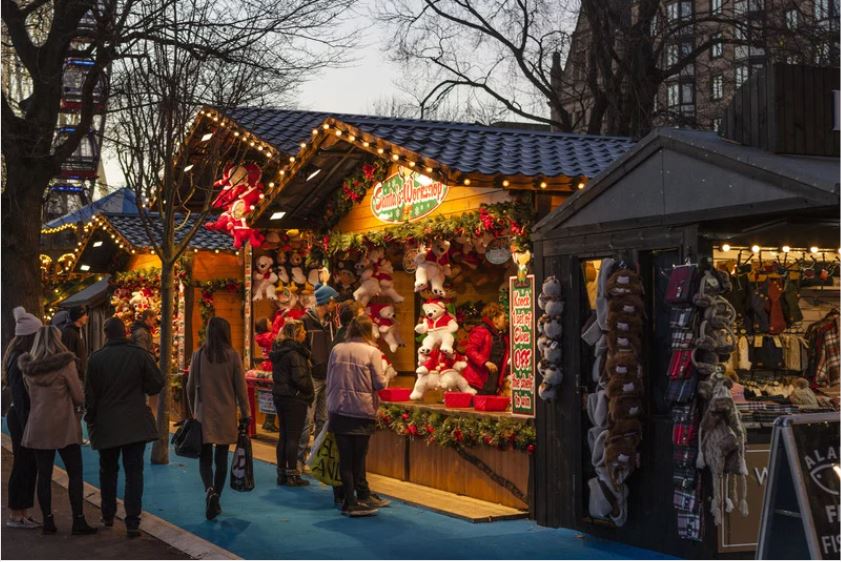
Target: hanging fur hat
624 406
628 304
621 341
625 385
622 322
622 363
624 282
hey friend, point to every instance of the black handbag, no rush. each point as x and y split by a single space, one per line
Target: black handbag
242 465
188 441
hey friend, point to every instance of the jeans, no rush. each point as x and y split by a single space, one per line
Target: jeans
206 461
291 417
108 469
352 452
72 457
317 412
24 468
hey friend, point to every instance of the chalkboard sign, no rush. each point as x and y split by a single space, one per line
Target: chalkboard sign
800 514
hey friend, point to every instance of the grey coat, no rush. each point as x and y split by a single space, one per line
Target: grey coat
221 387
55 392
354 375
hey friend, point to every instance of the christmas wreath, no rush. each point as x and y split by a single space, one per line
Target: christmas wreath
452 430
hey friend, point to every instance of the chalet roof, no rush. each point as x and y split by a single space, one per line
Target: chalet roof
132 229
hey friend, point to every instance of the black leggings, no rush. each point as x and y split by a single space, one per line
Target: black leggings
72 457
206 462
21 491
352 452
291 417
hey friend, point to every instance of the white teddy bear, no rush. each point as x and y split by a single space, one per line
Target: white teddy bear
438 325
427 379
382 315
264 279
450 370
369 285
433 267
383 272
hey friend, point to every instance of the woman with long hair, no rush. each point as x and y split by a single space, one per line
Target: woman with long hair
21 492
54 422
292 393
216 385
354 375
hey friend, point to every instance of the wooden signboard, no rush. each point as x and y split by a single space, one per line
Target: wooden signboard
523 341
800 517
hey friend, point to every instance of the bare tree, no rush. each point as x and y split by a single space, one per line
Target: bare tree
513 51
245 54
296 36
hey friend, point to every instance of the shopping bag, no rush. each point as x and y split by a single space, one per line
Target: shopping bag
187 440
242 465
324 459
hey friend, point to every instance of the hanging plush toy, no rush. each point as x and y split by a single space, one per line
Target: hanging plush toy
345 280
369 285
239 228
383 272
438 325
382 315
433 267
469 256
264 279
288 309
282 269
241 190
296 270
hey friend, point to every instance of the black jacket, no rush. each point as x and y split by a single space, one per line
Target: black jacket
20 396
71 337
291 371
119 377
320 343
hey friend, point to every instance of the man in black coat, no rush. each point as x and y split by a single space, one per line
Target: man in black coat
119 377
74 340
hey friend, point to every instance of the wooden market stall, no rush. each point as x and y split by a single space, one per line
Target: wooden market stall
379 198
689 204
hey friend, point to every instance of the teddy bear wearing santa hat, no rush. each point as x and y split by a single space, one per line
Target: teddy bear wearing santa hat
438 325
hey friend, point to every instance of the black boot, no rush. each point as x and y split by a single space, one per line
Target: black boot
281 479
81 527
49 528
293 479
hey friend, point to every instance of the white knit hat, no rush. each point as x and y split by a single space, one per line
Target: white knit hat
25 322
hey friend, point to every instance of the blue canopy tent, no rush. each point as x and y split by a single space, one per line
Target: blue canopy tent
123 202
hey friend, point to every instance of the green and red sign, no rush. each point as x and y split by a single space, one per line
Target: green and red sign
406 196
523 341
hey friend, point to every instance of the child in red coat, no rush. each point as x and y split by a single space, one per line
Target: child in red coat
487 351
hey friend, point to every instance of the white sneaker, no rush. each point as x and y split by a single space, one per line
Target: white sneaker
26 523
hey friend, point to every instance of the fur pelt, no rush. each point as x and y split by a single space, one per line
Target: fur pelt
50 364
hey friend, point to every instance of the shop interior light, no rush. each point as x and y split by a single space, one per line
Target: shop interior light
206 137
786 249
85 267
313 174
277 215
814 249
755 249
98 243
725 247
188 167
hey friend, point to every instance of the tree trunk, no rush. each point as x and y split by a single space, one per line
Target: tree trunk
160 449
21 232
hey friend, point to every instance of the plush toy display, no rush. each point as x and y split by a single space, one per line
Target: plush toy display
550 326
264 279
241 190
288 309
383 317
282 269
383 271
345 280
296 270
433 267
438 325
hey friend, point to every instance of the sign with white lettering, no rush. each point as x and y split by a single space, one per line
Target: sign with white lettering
800 516
406 196
265 402
521 315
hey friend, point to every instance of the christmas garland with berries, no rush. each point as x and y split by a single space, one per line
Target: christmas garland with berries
207 308
511 219
353 191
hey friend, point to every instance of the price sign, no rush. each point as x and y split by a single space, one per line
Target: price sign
266 402
521 314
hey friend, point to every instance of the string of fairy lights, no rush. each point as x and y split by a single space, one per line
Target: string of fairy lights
334 128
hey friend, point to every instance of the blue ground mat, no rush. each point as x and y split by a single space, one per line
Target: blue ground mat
274 522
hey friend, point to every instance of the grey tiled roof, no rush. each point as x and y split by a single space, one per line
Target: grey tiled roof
468 148
131 227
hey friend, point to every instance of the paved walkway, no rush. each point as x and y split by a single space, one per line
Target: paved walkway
274 522
20 544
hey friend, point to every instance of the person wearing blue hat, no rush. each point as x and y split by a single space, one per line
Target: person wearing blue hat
318 322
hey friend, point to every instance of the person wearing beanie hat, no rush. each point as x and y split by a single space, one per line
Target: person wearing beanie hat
73 338
21 491
318 321
119 377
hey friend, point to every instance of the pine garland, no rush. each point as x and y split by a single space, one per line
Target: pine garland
512 219
456 431
353 191
207 307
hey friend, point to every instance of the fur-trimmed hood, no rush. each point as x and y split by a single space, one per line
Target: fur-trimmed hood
38 370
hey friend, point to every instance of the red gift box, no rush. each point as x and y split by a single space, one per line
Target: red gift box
491 403
395 394
457 399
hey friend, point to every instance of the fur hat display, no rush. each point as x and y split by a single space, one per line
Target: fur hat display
624 281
